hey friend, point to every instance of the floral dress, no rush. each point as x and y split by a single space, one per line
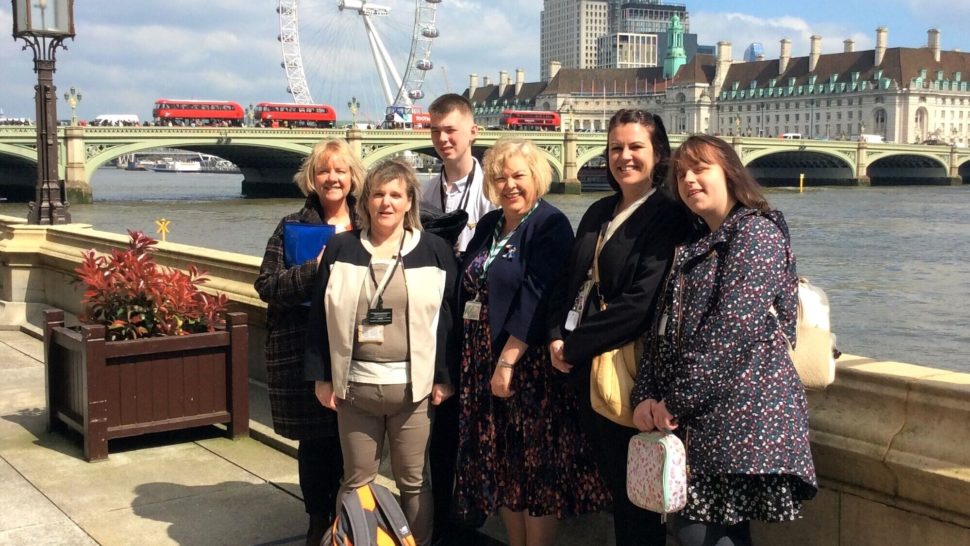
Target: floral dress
524 452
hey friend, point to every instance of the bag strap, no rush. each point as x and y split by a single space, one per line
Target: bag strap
386 503
596 265
354 511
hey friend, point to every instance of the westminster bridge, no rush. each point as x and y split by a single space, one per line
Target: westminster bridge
269 157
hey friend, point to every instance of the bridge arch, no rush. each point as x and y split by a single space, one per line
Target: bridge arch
907 168
18 170
964 172
784 168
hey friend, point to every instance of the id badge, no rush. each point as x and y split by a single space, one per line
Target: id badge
572 320
380 316
473 310
370 333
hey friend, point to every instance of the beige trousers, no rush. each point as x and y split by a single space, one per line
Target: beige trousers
364 417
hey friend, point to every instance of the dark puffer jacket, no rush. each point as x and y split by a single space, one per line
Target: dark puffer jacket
719 361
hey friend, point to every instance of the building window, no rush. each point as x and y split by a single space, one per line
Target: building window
879 120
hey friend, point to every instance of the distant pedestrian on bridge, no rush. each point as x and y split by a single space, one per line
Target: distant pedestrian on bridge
331 178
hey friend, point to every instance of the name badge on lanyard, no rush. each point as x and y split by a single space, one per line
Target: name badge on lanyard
372 330
473 310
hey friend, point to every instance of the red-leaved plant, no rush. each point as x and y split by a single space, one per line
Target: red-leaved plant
134 297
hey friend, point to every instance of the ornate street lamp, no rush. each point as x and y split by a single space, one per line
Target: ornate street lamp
73 97
43 25
354 107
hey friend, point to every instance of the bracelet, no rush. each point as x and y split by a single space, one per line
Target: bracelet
502 363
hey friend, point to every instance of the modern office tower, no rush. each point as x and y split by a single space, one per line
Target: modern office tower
610 33
645 16
569 31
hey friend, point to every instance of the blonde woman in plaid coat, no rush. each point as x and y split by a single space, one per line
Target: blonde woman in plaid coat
330 177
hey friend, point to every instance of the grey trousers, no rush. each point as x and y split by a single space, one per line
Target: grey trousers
364 417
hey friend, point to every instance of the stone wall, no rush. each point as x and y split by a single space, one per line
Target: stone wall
37 271
890 439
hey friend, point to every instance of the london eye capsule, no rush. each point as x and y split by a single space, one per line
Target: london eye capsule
424 64
416 94
429 32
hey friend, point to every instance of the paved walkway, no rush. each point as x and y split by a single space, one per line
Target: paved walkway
187 488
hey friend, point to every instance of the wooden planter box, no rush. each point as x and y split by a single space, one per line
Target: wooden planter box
114 389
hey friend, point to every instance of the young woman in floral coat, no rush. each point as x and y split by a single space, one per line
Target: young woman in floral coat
719 372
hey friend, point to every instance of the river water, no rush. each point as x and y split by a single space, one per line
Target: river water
895 262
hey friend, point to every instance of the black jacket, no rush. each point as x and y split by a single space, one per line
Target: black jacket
632 266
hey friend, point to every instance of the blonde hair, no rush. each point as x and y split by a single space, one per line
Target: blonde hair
388 171
322 153
499 154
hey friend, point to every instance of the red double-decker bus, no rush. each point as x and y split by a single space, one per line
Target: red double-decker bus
530 120
198 113
420 120
275 114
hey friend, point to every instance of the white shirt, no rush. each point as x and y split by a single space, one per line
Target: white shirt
476 207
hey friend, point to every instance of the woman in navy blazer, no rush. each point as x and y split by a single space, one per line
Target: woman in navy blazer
520 450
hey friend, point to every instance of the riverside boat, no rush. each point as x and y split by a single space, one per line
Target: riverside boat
170 165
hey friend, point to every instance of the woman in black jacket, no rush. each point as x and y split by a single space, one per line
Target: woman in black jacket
631 235
330 177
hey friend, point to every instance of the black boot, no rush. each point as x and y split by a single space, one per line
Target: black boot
318 527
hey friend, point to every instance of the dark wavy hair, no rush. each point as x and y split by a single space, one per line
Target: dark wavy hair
658 139
703 149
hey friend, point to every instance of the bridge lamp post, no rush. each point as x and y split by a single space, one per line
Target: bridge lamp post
43 25
73 97
354 107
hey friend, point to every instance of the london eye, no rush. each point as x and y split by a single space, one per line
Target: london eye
378 53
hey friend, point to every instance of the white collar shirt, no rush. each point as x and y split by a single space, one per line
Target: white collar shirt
476 206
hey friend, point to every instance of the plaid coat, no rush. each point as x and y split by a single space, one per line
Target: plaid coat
297 414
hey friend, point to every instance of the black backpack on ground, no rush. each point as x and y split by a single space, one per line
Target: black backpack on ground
369 516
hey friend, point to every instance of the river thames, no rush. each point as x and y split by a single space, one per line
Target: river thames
895 262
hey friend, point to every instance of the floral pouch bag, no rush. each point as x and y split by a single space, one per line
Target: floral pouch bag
657 472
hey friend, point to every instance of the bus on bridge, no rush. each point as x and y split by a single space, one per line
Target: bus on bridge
198 113
276 114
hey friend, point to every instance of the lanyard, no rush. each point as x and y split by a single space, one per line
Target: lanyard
465 194
499 244
377 300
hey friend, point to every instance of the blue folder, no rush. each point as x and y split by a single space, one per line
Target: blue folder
303 242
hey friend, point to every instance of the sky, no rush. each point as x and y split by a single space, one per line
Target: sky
128 54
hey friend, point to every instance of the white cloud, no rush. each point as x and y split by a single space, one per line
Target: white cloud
742 29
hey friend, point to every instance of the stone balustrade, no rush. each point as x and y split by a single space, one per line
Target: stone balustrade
890 439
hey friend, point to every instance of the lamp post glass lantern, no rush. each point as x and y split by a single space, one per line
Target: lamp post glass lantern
43 25
72 98
354 106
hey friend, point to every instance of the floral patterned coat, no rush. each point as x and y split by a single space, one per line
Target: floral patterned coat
297 414
719 362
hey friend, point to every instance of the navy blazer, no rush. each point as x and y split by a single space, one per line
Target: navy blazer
520 280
